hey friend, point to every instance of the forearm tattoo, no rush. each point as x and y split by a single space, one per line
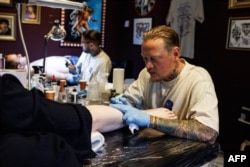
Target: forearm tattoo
189 129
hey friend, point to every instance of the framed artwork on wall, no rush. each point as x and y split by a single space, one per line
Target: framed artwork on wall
144 7
5 2
238 34
235 4
140 26
75 22
31 14
8 26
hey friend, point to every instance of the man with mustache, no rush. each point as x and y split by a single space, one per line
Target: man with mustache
169 79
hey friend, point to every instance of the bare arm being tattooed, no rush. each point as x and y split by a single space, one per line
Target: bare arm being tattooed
189 129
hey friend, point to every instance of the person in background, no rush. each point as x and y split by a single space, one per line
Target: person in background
55 66
170 83
93 62
4 27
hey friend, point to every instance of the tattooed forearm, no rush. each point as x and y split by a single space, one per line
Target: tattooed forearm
189 129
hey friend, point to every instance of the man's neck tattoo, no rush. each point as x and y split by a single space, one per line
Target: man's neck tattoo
174 73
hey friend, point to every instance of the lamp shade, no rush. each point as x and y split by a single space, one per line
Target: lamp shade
59 4
57 32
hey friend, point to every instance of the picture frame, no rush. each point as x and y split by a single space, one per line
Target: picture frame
140 26
236 4
9 19
31 14
143 8
238 34
6 2
74 25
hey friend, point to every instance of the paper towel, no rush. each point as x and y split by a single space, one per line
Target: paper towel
118 79
97 141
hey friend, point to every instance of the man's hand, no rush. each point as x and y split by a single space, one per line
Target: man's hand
72 68
162 113
132 115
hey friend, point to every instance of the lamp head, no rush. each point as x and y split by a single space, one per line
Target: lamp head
57 32
58 4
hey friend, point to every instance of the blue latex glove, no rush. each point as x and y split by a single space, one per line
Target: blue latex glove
72 71
72 68
119 100
132 115
74 79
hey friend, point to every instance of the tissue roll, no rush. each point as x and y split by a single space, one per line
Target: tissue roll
97 141
118 79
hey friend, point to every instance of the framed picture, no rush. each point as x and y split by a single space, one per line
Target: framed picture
90 18
5 2
234 4
143 8
31 14
238 37
8 26
140 26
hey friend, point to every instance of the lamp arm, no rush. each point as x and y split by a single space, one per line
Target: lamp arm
45 52
23 42
66 4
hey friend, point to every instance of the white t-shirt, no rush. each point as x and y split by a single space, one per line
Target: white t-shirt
192 93
182 17
96 66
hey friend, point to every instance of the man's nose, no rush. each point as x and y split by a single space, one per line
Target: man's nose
148 64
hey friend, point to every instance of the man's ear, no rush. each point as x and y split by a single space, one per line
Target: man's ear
176 51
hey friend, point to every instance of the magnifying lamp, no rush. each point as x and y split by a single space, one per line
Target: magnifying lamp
56 33
48 3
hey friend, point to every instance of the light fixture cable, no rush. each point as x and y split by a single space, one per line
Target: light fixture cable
23 42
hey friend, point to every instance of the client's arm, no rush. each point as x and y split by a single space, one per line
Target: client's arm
105 118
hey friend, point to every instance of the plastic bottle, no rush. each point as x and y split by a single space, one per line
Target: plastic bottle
73 96
62 97
93 93
53 81
103 81
35 82
133 127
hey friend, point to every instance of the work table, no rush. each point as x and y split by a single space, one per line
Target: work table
152 148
